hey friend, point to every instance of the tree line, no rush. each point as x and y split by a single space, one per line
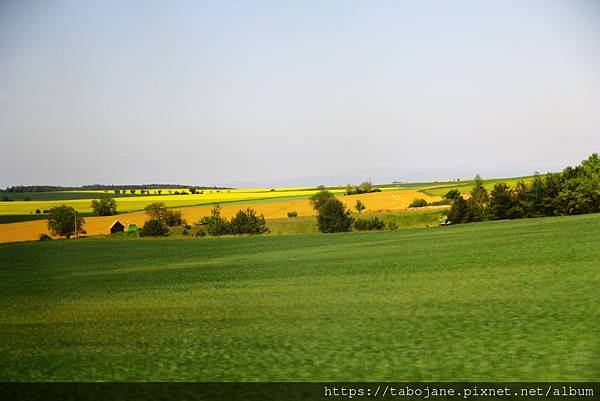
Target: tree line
99 187
575 190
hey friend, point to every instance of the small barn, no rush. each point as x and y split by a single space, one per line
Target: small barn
117 227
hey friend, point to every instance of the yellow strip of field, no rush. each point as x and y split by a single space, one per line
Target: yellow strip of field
133 203
374 202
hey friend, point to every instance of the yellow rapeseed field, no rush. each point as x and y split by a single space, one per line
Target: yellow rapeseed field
133 203
272 209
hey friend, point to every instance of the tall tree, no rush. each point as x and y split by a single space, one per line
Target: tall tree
332 217
65 221
319 198
479 193
104 206
501 202
458 210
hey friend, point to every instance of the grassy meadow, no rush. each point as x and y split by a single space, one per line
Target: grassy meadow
404 219
494 301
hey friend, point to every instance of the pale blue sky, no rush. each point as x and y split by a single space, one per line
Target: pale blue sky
252 92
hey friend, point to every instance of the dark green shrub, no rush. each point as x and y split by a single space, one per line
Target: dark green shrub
371 224
364 188
159 211
45 237
201 233
247 222
333 217
172 218
38 211
359 206
418 203
292 213
154 228
579 195
452 194
215 223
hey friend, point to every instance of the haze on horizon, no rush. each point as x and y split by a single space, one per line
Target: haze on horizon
234 93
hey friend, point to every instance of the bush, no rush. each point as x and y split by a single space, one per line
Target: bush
418 203
201 233
38 211
215 223
173 218
45 237
154 228
359 206
247 222
374 223
170 218
333 217
364 188
292 213
104 206
392 225
452 194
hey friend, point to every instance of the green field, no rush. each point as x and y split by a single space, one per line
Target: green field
414 218
495 301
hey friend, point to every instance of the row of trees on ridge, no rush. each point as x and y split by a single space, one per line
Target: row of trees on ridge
576 190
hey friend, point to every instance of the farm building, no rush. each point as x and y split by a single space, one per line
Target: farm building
117 227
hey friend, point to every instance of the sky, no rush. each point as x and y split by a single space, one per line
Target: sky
250 93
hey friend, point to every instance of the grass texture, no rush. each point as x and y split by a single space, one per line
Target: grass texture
494 301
